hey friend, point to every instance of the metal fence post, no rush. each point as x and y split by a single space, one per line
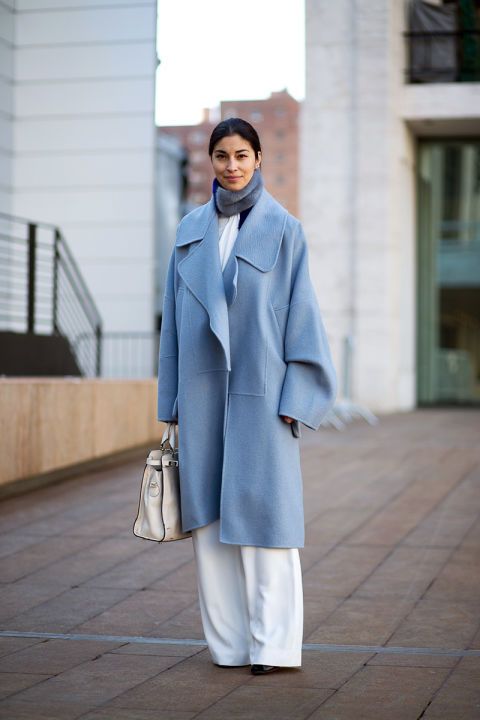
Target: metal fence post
98 335
56 251
32 251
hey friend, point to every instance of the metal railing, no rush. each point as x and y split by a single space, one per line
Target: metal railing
443 56
127 354
42 290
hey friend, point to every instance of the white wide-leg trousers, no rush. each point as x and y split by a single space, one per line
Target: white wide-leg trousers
251 601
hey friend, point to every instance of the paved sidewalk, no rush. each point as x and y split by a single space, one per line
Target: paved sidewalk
391 581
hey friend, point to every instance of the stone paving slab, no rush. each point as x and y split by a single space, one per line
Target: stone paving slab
380 692
459 697
391 582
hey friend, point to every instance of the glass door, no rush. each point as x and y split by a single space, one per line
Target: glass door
448 340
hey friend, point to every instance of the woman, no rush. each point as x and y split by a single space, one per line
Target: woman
244 360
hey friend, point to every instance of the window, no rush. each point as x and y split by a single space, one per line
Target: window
256 116
448 348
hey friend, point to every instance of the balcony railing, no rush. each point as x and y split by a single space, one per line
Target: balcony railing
443 56
42 291
125 354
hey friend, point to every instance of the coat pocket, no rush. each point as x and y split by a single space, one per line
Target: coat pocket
202 342
248 347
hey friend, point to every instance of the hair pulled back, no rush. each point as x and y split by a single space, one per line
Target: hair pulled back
235 126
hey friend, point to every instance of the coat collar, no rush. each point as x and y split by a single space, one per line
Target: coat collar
258 243
259 238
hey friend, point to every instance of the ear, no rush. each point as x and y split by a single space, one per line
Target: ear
258 160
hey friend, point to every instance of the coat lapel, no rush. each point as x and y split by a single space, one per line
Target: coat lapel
202 272
258 243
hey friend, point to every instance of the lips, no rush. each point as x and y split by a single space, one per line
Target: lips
234 177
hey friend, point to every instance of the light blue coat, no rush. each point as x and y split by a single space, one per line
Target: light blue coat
227 372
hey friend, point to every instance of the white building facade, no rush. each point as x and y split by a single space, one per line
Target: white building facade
393 265
77 139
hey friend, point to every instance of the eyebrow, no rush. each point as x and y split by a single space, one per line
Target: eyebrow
224 151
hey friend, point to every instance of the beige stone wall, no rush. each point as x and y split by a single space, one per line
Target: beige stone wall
51 423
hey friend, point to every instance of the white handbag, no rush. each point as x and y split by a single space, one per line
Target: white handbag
159 514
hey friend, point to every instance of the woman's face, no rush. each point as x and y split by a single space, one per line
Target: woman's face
234 162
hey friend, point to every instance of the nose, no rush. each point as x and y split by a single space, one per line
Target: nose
232 163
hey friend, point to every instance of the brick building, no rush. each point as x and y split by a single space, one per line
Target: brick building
275 119
194 139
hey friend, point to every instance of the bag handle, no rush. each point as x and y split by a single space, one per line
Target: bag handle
168 434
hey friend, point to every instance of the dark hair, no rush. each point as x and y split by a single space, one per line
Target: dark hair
235 126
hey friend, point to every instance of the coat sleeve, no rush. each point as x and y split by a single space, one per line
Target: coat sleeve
310 384
168 352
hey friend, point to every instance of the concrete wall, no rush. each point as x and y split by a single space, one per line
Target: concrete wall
350 149
41 434
7 36
84 140
359 126
170 206
442 109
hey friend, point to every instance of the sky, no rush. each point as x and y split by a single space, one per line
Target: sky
213 50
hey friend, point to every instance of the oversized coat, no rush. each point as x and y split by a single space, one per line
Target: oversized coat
229 370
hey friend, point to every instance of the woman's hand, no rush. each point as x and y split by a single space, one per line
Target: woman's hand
286 418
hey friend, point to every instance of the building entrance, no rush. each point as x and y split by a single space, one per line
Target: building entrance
448 277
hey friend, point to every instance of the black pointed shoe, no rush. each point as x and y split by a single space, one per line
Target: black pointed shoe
263 669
